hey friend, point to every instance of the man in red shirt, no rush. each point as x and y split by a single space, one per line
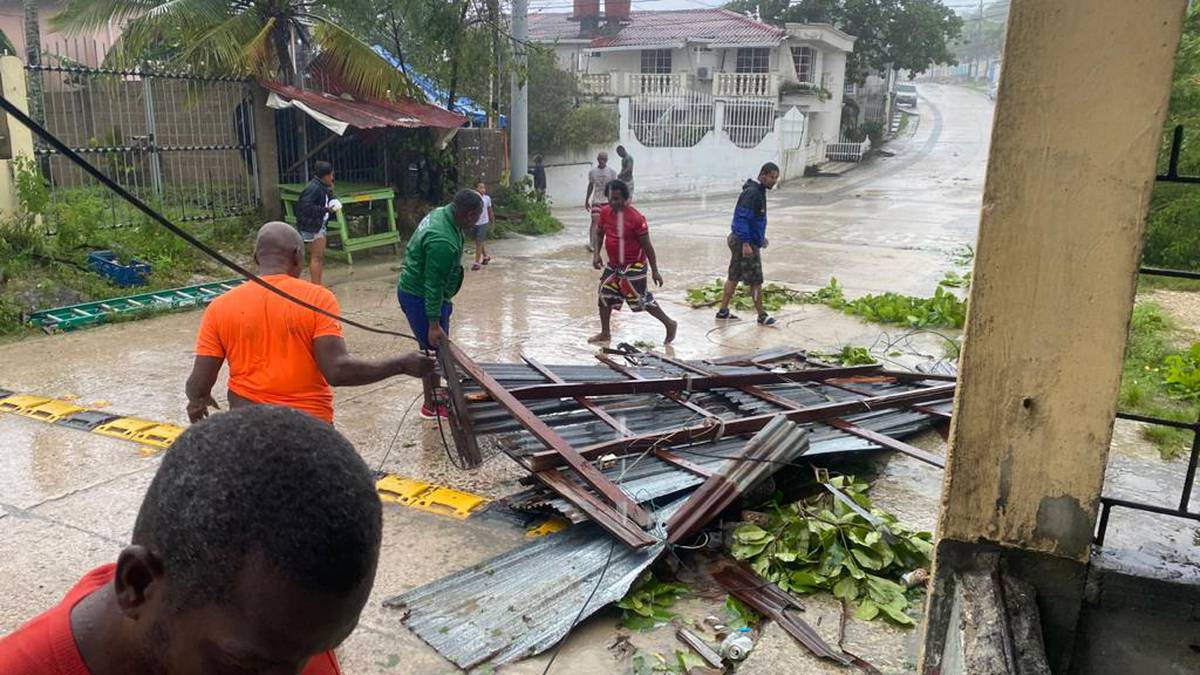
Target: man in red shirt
254 552
626 239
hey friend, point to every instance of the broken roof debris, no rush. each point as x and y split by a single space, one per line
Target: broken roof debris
607 445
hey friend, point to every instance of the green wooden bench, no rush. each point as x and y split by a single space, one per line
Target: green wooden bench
349 193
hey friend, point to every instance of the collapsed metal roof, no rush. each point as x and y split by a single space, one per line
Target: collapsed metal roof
598 439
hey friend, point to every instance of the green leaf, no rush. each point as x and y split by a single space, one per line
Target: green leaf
867 558
846 589
751 534
897 616
866 611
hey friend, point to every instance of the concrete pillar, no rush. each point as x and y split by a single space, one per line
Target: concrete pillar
18 138
1060 239
266 154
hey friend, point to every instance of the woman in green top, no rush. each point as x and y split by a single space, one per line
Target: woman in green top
433 275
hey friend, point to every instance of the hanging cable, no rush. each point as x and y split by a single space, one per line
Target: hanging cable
10 108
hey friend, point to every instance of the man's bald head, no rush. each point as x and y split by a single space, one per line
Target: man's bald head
278 249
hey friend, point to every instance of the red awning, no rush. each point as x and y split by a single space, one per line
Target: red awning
339 112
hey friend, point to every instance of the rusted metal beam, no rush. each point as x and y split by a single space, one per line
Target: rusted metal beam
620 527
771 601
887 442
929 410
677 384
745 425
461 425
613 494
596 410
670 394
780 442
752 390
683 463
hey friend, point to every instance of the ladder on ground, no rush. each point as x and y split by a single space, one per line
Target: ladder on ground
71 317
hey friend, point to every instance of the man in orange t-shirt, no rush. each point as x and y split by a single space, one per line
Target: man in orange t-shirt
254 551
279 352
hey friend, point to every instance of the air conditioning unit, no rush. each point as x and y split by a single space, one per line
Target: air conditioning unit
703 73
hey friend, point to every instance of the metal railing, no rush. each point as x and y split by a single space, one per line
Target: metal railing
1183 510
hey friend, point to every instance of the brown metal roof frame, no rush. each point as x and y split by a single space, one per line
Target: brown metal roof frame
611 507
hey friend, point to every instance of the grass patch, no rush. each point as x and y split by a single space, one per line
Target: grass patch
1154 343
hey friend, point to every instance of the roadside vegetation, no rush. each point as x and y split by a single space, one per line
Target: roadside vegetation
1161 377
44 249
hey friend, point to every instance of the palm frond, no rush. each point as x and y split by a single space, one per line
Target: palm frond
79 16
259 53
6 45
221 48
357 66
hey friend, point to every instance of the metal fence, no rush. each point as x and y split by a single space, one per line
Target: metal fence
183 142
747 123
677 119
1181 508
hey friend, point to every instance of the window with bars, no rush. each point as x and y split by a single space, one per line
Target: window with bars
804 59
656 61
753 60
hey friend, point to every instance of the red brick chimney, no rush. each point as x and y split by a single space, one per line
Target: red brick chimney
587 13
617 11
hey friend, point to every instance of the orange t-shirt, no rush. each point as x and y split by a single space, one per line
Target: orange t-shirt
268 342
46 646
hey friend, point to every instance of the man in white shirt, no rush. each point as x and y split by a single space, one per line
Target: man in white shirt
597 193
481 227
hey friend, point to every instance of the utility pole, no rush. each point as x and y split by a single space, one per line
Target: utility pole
978 40
518 118
494 79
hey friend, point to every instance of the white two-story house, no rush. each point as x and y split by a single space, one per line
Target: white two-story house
753 68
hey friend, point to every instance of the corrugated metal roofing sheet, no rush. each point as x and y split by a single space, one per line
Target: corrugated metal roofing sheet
660 29
403 113
522 602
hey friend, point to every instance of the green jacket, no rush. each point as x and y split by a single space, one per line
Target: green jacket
433 261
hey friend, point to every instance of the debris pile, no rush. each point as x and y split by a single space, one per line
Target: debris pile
643 452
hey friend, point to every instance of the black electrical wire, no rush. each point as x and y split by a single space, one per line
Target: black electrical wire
116 187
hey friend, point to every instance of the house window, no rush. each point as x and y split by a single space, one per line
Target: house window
753 60
804 58
656 60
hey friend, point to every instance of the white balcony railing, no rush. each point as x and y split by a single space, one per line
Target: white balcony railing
746 85
595 84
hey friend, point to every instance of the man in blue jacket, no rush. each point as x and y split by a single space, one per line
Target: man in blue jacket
746 241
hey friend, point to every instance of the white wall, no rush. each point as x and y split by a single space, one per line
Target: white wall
715 164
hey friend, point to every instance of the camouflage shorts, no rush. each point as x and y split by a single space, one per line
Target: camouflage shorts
746 269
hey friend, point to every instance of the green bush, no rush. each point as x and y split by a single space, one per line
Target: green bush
1181 373
1173 227
519 210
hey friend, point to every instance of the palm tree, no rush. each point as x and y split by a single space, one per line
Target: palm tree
259 38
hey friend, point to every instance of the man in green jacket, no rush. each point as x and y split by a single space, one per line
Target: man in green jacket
431 277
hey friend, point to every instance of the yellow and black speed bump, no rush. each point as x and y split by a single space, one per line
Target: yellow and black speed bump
428 497
146 433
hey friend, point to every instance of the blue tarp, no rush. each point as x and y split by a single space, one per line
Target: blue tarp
462 105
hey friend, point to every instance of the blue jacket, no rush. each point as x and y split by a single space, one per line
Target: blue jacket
750 214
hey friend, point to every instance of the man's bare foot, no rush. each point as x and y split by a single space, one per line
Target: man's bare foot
600 337
671 328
